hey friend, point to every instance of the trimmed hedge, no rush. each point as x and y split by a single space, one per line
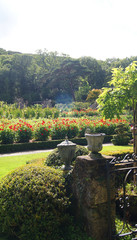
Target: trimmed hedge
34 203
20 147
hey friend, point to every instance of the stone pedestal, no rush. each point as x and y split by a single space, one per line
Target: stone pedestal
90 189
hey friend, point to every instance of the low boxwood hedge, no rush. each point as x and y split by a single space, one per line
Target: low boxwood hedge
20 147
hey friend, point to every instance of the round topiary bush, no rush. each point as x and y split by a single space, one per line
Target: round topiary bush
55 160
122 135
33 203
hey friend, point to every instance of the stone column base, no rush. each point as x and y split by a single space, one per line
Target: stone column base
90 190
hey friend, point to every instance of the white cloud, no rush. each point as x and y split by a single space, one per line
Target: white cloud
96 28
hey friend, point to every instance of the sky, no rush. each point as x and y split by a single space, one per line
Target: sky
99 29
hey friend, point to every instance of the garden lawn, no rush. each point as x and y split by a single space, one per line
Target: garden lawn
9 163
111 150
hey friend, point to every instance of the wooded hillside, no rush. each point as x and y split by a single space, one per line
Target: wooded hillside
35 78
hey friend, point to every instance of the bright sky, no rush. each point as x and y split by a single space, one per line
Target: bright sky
97 28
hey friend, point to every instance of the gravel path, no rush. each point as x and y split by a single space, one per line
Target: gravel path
33 152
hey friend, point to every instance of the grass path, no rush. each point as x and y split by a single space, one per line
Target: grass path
9 163
112 149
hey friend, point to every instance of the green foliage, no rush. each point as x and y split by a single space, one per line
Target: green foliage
55 113
55 160
33 203
93 95
83 89
23 134
64 107
124 92
58 131
65 79
72 131
75 231
42 133
47 112
48 75
80 113
29 112
121 137
107 129
7 136
96 76
119 226
11 111
80 105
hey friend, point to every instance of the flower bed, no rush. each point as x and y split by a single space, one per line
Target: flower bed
42 130
80 113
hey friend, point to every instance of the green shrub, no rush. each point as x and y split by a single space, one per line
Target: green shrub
55 113
121 137
72 131
119 227
42 133
82 112
107 129
120 140
58 131
33 203
47 112
82 130
7 136
54 158
17 113
80 105
23 134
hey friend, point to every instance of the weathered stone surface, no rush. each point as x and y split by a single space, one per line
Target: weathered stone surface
67 151
90 191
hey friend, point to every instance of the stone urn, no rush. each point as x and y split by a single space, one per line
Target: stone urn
67 152
95 141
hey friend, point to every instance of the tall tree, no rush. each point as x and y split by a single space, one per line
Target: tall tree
83 89
66 77
7 89
96 78
122 91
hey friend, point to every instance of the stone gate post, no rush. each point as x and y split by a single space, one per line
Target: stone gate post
90 190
